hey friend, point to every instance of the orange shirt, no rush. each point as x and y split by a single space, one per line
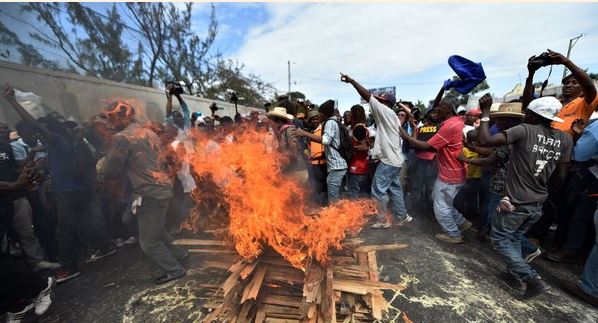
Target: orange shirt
576 109
316 150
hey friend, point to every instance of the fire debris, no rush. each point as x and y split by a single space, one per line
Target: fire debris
270 289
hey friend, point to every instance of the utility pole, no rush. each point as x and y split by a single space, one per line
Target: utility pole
289 63
572 43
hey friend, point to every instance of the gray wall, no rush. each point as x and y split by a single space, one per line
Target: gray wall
81 97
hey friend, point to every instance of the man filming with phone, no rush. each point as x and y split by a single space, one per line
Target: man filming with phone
579 97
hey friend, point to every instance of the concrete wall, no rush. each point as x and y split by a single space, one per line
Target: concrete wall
80 97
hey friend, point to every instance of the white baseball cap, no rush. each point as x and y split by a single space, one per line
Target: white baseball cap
461 109
546 107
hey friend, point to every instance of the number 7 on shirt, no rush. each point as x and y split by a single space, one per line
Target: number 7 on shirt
541 164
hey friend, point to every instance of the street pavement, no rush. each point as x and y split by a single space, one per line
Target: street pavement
445 283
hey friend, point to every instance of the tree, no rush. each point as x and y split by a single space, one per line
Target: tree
186 56
463 98
228 76
594 76
152 19
30 56
99 52
167 49
420 106
293 96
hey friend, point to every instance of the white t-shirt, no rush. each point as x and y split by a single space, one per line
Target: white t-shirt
387 146
467 129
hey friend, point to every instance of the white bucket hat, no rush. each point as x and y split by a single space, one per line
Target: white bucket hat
279 112
546 107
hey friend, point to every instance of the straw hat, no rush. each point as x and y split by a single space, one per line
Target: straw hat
508 110
279 112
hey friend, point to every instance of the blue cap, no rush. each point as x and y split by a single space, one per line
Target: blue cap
387 97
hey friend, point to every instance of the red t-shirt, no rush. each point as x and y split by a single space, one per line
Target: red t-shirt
449 143
359 160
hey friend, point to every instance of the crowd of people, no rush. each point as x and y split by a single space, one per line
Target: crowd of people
517 172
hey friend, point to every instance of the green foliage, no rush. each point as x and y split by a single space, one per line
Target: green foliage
167 48
420 105
463 98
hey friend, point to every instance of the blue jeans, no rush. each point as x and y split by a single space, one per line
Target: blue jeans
357 185
422 175
447 216
589 276
487 217
387 181
333 182
507 233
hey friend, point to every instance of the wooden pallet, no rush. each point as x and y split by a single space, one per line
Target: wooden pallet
269 289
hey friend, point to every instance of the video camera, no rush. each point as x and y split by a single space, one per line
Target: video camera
214 107
541 60
177 88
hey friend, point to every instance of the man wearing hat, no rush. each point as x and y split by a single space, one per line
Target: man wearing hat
537 150
579 93
389 150
288 143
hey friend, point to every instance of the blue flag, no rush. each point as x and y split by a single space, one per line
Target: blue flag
470 74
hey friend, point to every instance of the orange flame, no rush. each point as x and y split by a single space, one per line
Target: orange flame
266 207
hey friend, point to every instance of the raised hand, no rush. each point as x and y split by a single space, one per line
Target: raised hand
557 58
8 92
486 103
346 78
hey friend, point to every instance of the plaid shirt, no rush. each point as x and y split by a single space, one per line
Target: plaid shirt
499 170
331 137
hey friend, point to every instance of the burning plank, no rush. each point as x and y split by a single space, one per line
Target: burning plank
272 290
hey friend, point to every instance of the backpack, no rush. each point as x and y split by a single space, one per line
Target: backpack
346 144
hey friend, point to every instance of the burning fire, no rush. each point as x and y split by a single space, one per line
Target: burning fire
268 208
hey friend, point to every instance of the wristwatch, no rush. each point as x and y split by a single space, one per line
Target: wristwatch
485 119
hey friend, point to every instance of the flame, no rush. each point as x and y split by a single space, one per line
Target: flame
266 206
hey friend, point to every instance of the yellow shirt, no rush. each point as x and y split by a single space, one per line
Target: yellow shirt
576 109
472 170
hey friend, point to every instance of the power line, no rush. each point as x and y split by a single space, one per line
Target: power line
371 83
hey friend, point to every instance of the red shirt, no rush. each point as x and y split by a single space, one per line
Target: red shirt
449 143
359 160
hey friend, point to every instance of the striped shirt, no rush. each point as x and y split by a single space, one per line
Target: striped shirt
448 142
331 137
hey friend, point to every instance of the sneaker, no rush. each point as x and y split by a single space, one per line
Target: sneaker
99 254
43 301
512 281
63 275
562 256
535 287
576 290
17 317
167 278
446 238
119 242
533 255
130 241
464 226
43 265
404 221
380 225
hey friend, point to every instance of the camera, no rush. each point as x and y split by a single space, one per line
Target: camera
177 88
541 60
214 107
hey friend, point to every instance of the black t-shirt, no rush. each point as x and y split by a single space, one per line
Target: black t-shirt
426 132
9 171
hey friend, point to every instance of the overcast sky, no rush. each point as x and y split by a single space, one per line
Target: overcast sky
402 45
